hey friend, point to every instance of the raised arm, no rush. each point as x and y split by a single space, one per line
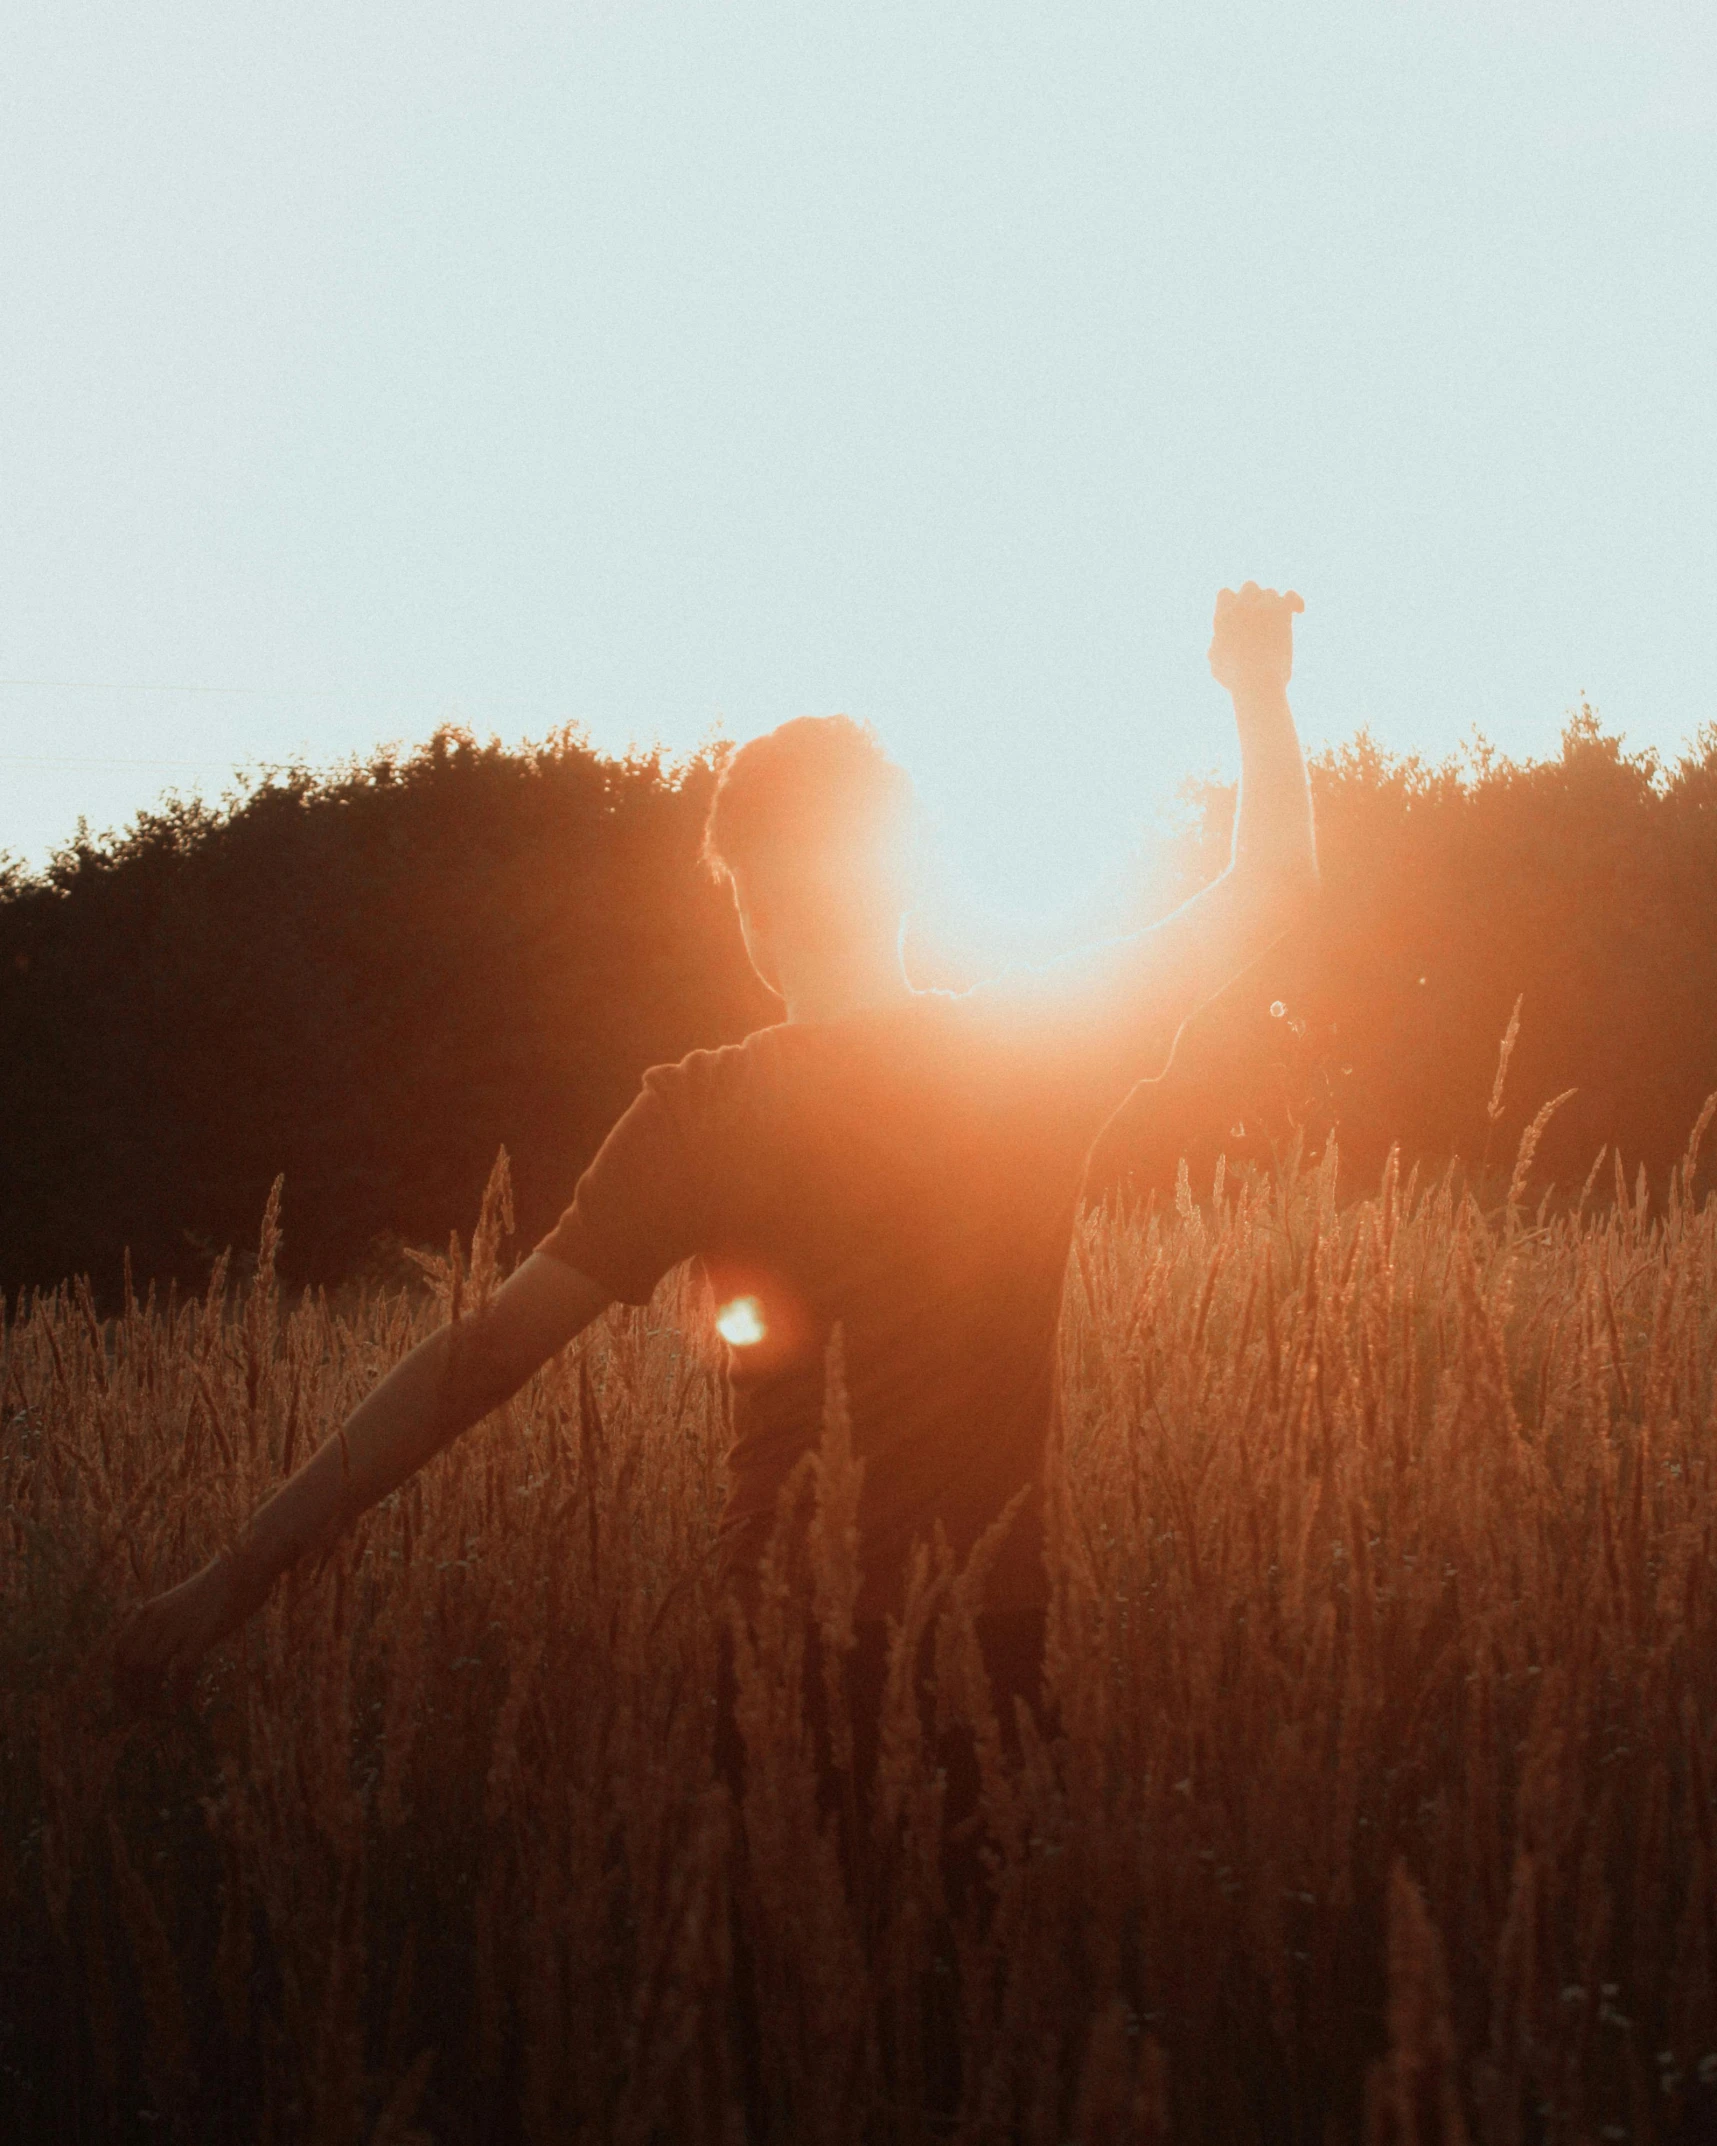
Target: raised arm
445 1385
1273 870
1152 984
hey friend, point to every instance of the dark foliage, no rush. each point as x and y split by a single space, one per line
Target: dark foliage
371 981
1585 885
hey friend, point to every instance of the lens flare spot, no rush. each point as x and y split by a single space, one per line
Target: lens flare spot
740 1323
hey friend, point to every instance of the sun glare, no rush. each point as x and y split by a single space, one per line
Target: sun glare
741 1324
1034 900
1041 856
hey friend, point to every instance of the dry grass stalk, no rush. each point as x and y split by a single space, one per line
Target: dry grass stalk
1384 1635
1510 1036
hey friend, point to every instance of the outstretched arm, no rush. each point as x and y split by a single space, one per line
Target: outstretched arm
1273 870
1165 974
445 1385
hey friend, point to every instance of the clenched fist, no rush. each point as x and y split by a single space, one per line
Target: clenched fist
1253 640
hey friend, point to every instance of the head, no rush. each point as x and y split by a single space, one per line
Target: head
811 825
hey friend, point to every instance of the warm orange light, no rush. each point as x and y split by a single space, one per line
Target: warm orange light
741 1323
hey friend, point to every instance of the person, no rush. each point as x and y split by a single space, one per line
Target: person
907 1163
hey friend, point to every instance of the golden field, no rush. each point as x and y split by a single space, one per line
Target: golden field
1376 1803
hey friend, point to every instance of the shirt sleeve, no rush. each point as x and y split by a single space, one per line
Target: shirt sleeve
640 1208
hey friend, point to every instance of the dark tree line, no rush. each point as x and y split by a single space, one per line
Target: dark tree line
369 981
1584 887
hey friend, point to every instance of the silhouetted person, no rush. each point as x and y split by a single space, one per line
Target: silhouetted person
907 1163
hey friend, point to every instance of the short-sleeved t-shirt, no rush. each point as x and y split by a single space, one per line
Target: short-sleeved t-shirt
913 1173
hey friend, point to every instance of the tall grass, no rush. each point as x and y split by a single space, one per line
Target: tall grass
1376 1803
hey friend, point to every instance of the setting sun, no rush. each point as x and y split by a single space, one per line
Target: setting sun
1044 851
740 1323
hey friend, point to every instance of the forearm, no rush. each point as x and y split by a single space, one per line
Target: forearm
445 1385
1183 962
414 1412
1274 845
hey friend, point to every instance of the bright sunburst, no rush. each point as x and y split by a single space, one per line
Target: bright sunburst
741 1323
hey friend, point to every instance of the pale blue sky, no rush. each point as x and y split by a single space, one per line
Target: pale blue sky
671 367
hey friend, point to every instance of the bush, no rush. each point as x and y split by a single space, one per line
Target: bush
371 980
368 981
1585 884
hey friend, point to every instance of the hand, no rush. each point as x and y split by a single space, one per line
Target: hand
160 1649
1253 640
